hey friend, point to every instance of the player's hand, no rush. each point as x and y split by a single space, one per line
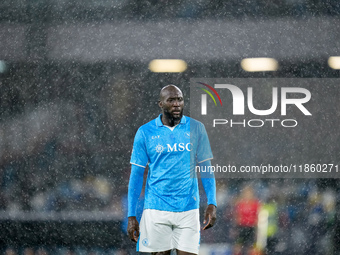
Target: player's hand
133 228
210 217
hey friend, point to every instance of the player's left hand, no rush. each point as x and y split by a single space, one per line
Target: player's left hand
133 228
210 216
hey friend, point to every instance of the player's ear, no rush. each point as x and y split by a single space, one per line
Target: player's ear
160 103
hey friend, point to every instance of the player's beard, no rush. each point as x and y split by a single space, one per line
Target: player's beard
172 119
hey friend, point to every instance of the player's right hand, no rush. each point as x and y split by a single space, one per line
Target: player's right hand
133 228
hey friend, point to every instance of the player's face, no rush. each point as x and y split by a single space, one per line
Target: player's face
173 104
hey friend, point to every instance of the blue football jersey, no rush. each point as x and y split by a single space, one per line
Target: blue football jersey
172 154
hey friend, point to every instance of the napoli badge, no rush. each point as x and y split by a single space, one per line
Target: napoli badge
145 242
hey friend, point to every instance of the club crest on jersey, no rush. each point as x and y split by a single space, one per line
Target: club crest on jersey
145 242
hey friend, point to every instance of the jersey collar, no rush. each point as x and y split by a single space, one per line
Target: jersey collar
160 124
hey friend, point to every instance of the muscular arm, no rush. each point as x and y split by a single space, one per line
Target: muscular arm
135 188
209 185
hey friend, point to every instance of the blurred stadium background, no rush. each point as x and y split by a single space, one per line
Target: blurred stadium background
75 86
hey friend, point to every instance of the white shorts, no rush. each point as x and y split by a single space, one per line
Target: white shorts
163 231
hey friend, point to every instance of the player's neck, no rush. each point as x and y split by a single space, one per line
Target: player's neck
169 121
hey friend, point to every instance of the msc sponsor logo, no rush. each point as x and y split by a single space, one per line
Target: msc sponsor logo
159 148
180 147
174 148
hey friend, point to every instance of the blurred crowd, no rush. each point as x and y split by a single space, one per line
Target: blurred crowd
66 145
46 250
287 216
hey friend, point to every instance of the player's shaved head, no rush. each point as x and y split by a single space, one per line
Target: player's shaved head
166 89
171 102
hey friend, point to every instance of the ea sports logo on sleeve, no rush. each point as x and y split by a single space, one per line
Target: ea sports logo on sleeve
238 105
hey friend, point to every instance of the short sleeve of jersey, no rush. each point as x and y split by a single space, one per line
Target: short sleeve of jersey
203 149
139 155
